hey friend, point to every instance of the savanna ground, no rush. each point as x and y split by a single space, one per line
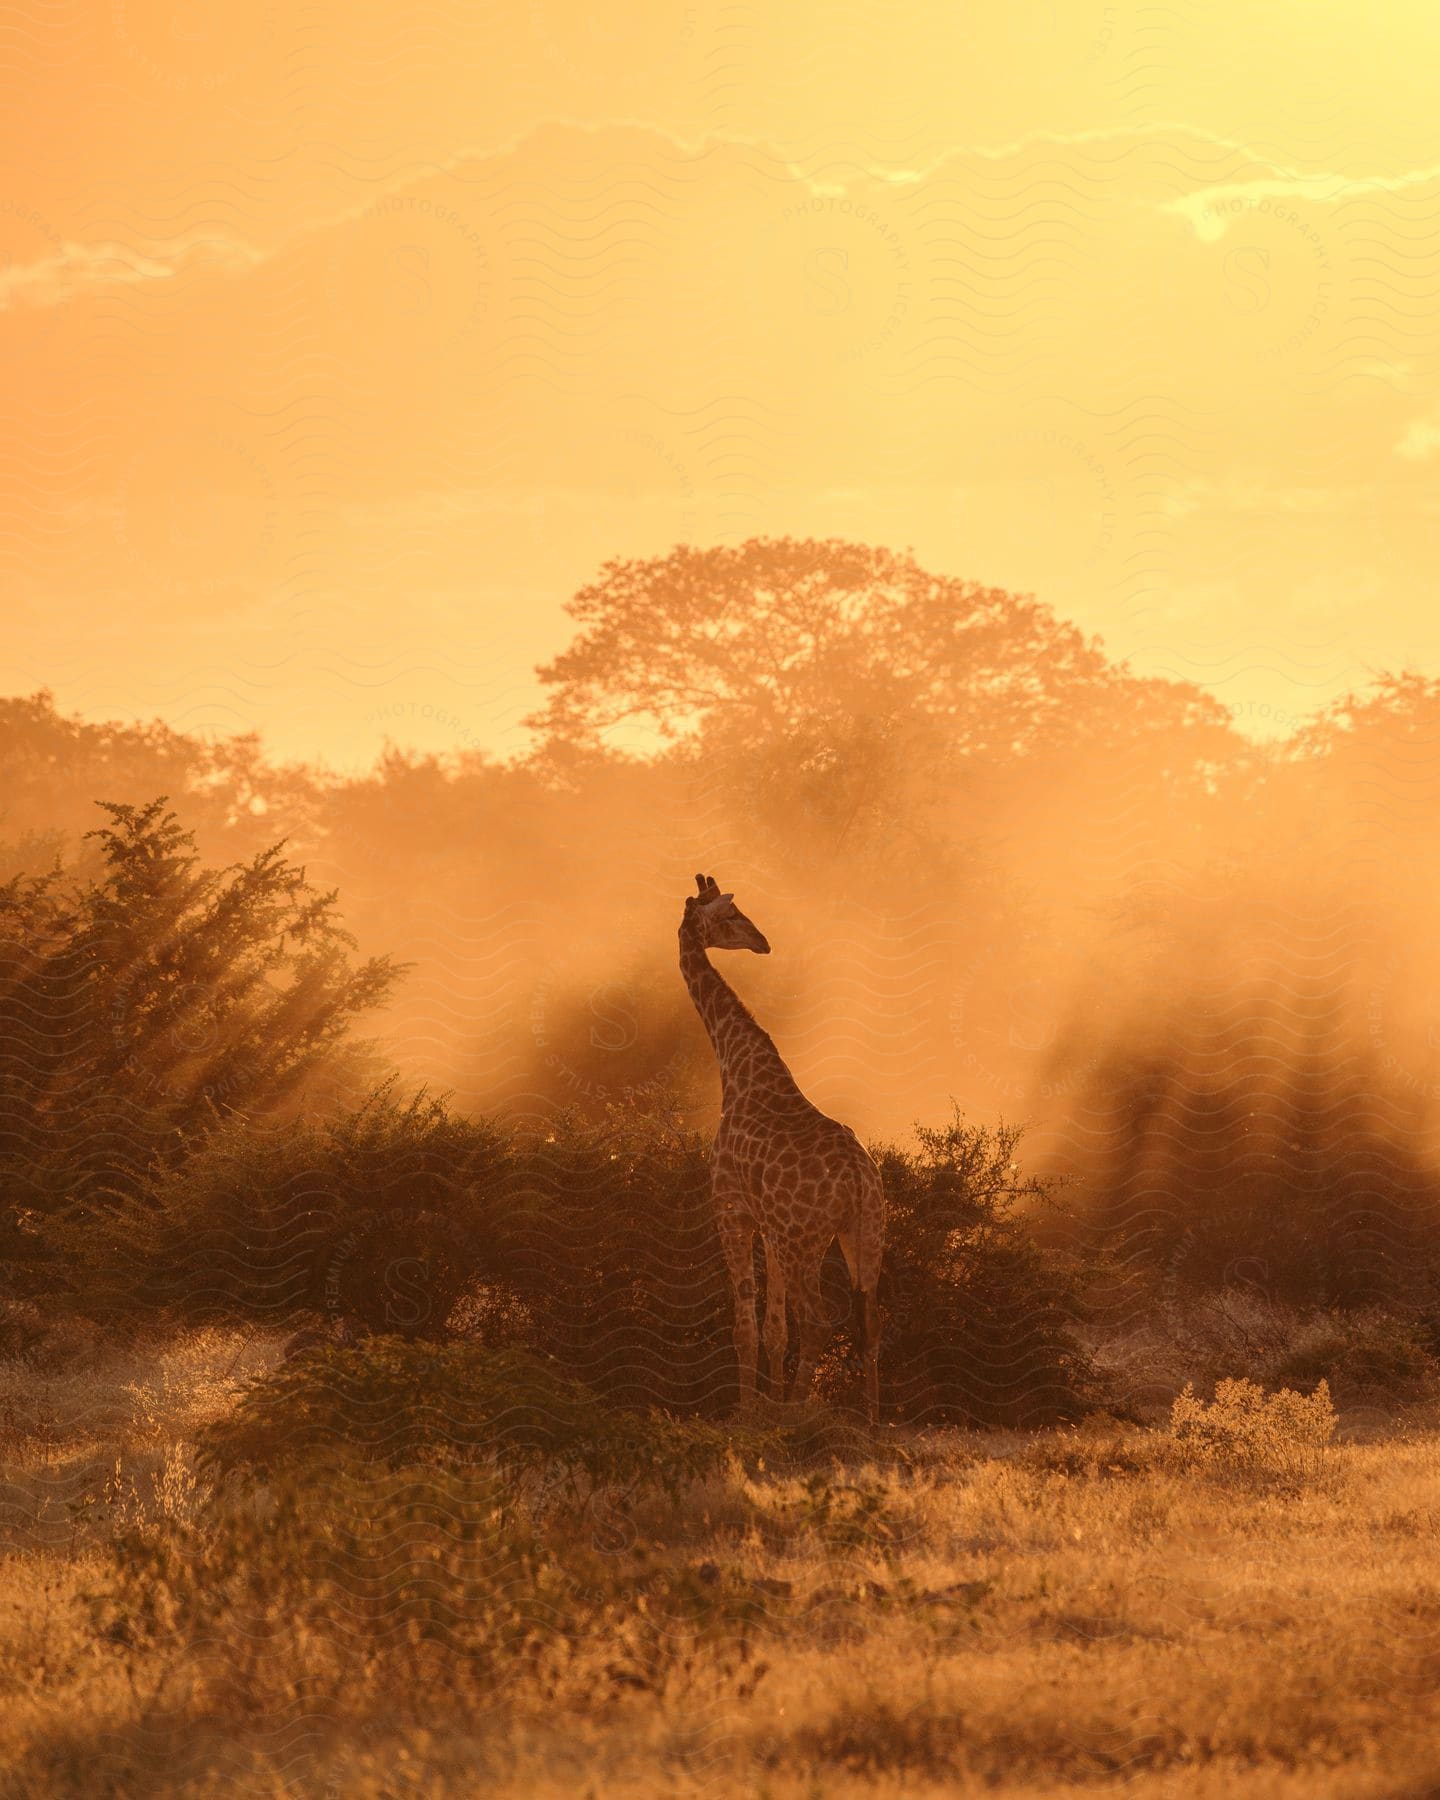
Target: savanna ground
522 1547
1226 1601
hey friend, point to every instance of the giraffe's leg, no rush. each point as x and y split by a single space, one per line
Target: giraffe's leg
775 1321
871 1250
863 1266
812 1328
737 1238
871 1355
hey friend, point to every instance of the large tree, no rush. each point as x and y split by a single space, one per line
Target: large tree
142 1005
855 711
786 637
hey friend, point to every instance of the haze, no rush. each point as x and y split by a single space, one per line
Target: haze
347 345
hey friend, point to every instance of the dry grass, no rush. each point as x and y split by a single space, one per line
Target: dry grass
1023 1616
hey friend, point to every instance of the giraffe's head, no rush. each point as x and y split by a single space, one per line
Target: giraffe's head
719 921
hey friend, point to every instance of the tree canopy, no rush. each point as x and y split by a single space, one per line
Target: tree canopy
141 1005
793 638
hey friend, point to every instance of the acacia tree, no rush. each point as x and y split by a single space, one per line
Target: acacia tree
776 635
140 1006
856 700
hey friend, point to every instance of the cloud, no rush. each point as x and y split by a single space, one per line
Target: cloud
76 270
1212 210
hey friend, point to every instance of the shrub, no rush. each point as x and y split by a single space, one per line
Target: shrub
818 1438
606 1238
840 1514
1365 1359
593 1244
48 1334
979 1320
376 1214
1279 1438
388 1401
23 1328
610 1240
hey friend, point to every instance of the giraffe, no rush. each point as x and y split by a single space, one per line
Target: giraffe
779 1167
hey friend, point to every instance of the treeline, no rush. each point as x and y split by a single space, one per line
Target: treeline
998 868
189 1139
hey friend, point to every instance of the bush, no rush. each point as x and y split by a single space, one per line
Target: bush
376 1214
390 1402
616 1258
606 1238
23 1328
840 1515
594 1245
1367 1359
1099 1448
1280 1438
979 1320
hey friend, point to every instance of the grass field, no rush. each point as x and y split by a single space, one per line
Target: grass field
930 1614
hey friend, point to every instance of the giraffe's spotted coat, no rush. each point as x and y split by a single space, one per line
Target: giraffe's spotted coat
780 1167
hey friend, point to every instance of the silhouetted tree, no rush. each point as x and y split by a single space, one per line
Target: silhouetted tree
774 637
848 705
140 1006
56 764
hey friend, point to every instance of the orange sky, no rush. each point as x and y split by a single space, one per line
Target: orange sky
352 339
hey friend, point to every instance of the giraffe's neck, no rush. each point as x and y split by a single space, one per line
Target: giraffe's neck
749 1061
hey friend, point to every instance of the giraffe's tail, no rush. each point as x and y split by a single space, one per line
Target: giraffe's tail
863 1240
863 1253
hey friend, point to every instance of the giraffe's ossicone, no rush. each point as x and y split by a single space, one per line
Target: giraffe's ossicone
780 1168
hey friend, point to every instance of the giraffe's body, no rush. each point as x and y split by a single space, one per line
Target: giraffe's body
780 1168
